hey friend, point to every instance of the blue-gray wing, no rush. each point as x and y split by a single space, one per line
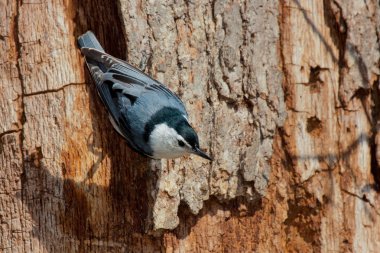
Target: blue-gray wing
130 96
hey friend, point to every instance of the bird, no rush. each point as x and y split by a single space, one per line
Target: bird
150 117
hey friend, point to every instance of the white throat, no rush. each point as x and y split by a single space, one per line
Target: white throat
164 142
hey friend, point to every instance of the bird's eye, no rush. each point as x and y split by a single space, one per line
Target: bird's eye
181 143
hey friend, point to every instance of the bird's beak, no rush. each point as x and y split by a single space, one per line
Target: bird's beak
202 154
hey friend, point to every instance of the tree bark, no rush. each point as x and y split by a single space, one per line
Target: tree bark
283 93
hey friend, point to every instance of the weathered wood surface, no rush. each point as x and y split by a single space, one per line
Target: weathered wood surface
284 95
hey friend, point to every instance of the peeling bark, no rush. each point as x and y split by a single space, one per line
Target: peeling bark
284 95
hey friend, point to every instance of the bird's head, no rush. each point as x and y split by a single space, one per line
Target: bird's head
175 138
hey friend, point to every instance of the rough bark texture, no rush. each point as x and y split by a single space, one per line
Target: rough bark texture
283 93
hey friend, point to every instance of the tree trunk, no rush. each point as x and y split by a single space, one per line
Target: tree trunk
283 93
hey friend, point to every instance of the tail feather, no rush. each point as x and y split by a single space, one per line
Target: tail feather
89 40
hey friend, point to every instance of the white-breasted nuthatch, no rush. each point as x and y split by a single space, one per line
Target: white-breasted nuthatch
148 115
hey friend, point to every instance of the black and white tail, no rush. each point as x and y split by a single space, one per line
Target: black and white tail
89 40
89 45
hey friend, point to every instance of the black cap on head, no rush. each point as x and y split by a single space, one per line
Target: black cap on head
187 132
191 137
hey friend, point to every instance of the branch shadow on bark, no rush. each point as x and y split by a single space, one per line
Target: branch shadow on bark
331 159
338 32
